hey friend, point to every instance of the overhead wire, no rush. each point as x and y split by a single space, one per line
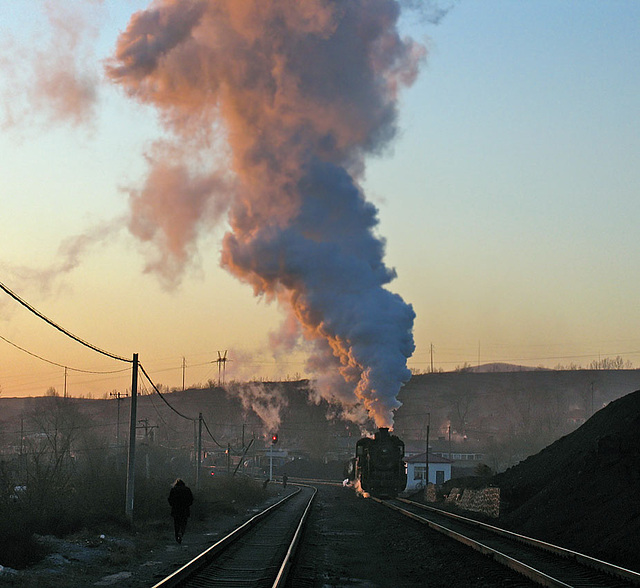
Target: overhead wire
59 364
210 435
176 410
55 325
415 361
146 375
60 328
164 422
85 343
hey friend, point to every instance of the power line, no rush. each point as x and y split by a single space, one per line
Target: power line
164 422
163 398
61 329
511 359
176 410
210 435
59 364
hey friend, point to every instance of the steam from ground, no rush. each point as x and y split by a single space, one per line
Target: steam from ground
265 401
301 92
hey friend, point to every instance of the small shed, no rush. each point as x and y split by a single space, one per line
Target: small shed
439 471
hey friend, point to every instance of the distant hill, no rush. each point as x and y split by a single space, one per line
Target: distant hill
582 491
506 416
492 368
502 416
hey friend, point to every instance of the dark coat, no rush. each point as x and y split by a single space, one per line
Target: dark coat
180 499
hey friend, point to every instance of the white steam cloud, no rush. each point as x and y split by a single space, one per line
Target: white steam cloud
300 92
267 402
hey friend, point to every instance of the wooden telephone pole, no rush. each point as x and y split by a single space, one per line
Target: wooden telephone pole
118 396
131 462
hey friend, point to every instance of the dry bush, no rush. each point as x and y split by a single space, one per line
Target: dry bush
69 479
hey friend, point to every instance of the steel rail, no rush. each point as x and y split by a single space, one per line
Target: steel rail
281 578
204 558
518 566
587 560
313 481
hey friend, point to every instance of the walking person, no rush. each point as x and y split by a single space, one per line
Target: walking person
284 481
180 499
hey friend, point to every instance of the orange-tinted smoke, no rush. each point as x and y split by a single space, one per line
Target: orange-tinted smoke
301 92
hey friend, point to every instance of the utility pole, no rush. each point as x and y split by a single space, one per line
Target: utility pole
199 451
147 427
222 365
131 462
426 457
195 452
431 357
118 396
21 465
147 440
271 463
65 382
184 366
255 455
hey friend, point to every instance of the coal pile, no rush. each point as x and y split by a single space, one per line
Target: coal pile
583 491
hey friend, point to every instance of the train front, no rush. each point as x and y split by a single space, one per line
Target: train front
380 469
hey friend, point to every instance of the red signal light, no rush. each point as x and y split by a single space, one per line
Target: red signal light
274 439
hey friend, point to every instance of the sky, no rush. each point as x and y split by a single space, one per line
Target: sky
506 199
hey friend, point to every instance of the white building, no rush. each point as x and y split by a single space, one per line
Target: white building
439 471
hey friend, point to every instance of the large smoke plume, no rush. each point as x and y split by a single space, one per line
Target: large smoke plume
300 92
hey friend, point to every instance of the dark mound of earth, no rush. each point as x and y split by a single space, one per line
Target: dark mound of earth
583 491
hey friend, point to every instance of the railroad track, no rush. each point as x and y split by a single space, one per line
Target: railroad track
543 563
258 553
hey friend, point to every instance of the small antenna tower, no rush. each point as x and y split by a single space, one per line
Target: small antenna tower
222 365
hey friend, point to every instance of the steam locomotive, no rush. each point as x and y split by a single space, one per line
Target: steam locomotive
378 467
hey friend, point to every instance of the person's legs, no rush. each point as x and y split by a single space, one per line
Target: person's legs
183 526
176 529
180 525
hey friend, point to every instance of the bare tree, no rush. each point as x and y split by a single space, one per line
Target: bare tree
53 428
460 404
608 363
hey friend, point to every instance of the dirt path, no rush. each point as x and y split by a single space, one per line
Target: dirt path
124 560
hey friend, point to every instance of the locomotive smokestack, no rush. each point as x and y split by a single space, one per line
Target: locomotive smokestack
301 92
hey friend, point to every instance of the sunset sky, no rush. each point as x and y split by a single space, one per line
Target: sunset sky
508 200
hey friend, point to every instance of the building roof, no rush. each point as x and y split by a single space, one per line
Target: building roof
419 458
